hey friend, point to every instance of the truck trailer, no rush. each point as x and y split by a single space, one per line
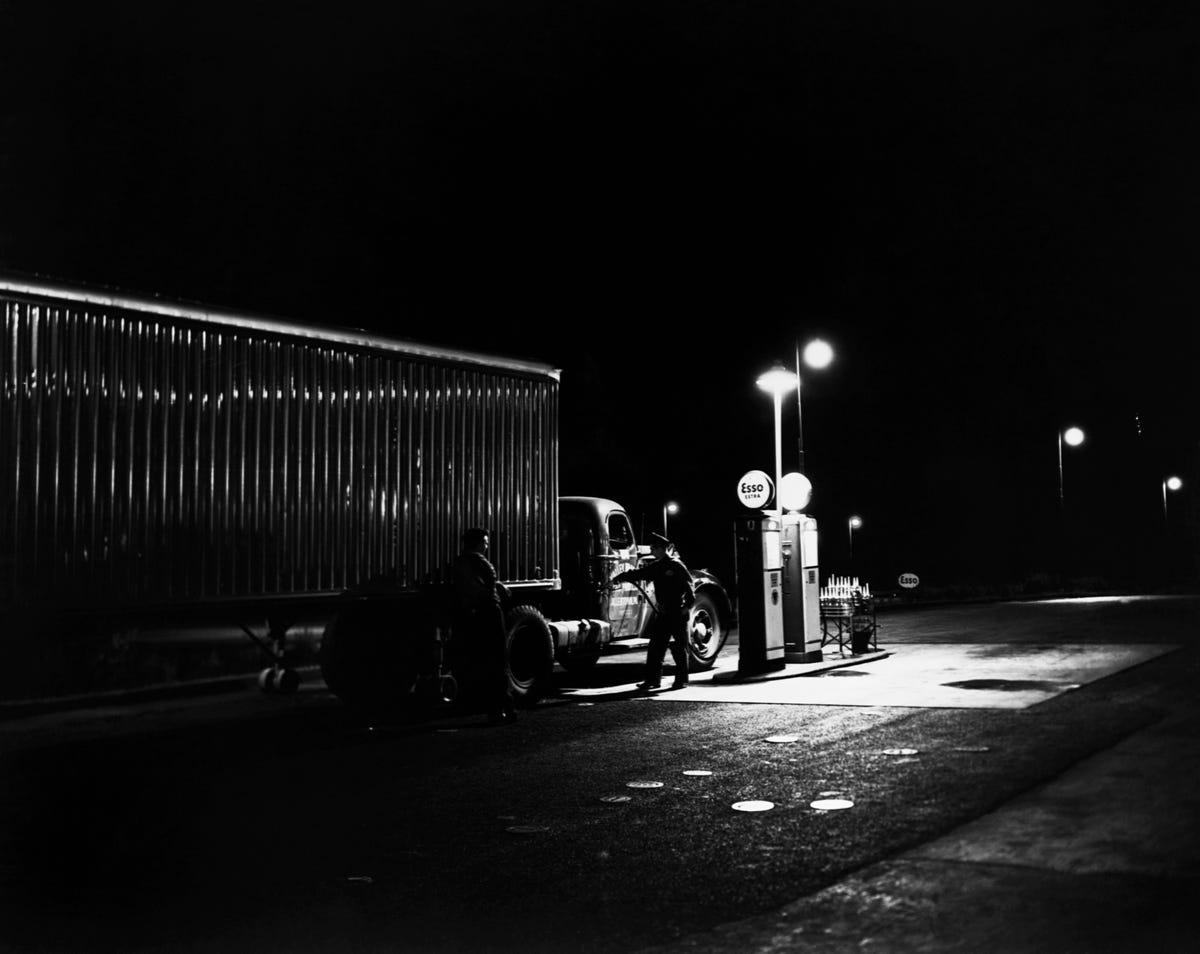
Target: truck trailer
171 461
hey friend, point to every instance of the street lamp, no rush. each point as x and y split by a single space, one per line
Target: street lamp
817 355
779 380
853 524
669 507
1073 437
1172 484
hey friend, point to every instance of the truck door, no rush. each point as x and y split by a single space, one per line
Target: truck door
626 605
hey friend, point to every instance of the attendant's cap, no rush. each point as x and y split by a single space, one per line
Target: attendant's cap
658 540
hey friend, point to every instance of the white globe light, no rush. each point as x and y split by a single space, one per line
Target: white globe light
818 354
855 522
795 491
1073 436
1174 483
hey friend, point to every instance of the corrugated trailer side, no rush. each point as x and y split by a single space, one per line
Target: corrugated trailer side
162 455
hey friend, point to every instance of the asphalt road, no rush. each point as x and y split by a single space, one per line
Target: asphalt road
247 823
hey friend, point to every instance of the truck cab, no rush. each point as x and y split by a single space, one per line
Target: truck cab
596 542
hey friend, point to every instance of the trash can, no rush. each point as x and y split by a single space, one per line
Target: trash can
862 628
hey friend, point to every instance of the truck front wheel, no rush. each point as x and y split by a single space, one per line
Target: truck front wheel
530 654
706 632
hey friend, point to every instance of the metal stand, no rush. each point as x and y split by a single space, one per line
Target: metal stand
849 624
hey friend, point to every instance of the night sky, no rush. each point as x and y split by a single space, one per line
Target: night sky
989 210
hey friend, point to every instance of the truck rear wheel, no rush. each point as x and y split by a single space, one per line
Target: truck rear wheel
706 632
530 654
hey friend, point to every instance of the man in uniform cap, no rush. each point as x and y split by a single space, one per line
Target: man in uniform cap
674 593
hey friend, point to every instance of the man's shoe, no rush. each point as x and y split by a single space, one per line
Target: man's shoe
679 684
648 685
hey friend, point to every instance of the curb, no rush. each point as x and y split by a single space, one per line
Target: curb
793 670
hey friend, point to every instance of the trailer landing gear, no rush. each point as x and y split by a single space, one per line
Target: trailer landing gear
279 679
279 676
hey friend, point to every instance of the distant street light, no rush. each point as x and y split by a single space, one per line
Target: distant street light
853 524
779 380
669 507
1172 484
817 355
1073 437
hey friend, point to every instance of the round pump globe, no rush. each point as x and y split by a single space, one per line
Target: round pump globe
818 354
795 491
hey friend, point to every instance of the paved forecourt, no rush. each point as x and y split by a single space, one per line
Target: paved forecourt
954 676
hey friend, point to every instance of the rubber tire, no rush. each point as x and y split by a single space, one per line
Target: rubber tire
286 681
707 612
365 661
529 654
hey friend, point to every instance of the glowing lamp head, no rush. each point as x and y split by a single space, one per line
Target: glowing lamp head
818 354
855 523
779 380
672 508
1174 483
1073 436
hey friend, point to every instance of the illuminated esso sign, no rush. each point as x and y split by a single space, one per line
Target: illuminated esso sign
755 489
909 580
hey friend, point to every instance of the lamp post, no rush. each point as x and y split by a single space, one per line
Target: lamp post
1172 484
817 354
851 525
779 380
669 507
1073 437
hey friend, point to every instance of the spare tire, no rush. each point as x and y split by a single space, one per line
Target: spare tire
366 658
529 652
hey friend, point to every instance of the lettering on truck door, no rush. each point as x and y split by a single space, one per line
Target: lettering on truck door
626 603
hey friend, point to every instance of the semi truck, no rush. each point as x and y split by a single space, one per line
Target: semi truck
172 461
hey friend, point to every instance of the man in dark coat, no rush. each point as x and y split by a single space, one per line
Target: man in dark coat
674 593
480 620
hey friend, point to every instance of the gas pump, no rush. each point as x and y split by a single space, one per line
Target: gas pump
760 593
801 589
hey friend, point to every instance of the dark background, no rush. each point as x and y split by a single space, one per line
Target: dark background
988 209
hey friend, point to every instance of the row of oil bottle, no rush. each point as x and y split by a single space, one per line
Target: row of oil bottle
845 589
